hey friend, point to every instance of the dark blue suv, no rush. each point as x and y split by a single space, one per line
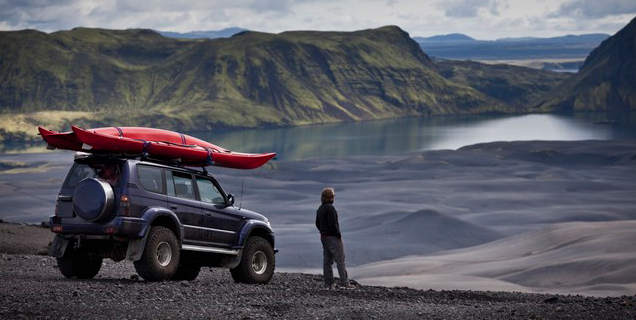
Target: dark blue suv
169 220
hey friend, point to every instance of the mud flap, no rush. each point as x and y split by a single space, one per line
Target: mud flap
58 247
135 249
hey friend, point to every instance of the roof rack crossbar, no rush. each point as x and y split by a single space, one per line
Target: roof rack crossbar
137 156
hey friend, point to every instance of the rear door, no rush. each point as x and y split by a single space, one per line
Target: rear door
222 220
182 201
151 180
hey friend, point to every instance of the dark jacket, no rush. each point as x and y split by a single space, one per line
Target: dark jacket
327 220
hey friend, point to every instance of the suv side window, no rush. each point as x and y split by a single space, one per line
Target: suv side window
209 192
150 178
183 187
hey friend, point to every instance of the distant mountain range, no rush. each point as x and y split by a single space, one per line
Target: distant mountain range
459 46
453 37
225 33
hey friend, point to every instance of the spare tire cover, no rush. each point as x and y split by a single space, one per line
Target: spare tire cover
93 199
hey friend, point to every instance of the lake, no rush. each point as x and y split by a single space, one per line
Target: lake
405 135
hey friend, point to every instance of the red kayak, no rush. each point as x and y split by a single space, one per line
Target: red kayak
155 143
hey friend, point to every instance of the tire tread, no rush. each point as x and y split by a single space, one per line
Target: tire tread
147 267
243 272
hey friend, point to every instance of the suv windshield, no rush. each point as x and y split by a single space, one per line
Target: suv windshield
107 171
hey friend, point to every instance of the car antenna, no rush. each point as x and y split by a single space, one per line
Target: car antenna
241 197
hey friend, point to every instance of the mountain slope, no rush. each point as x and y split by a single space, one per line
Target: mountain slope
83 69
510 84
312 77
138 77
605 82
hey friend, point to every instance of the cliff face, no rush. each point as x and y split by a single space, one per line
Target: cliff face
251 79
607 80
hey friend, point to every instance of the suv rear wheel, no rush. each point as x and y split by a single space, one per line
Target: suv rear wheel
161 255
257 262
78 264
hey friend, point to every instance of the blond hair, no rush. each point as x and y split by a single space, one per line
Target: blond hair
327 195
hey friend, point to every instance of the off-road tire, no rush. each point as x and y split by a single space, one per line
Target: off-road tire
186 271
79 265
257 262
161 255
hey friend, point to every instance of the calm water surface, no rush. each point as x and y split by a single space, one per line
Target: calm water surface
417 134
414 134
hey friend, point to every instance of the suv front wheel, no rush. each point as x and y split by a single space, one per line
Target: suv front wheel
257 262
161 255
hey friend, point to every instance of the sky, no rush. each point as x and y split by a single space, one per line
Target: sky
480 19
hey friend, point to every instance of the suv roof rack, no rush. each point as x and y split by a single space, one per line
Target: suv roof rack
141 157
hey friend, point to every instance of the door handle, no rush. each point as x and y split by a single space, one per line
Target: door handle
173 207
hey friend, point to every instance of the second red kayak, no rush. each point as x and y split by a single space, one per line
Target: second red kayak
155 143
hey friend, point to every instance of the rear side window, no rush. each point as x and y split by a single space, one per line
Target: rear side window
150 178
106 171
183 187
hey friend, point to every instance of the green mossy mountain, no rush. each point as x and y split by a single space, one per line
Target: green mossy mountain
513 85
606 81
138 77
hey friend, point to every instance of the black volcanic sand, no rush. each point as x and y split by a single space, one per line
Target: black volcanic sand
31 287
504 197
22 238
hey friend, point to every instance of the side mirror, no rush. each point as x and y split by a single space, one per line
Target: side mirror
230 199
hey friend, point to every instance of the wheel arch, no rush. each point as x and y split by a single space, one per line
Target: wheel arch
154 216
256 228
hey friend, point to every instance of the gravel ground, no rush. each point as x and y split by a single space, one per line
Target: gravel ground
24 238
32 287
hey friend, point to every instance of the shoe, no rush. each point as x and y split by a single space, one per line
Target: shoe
329 287
347 286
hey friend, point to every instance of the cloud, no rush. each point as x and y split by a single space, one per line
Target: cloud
468 8
486 18
52 15
596 8
39 14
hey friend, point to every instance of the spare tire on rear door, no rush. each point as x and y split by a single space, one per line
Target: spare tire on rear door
93 199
